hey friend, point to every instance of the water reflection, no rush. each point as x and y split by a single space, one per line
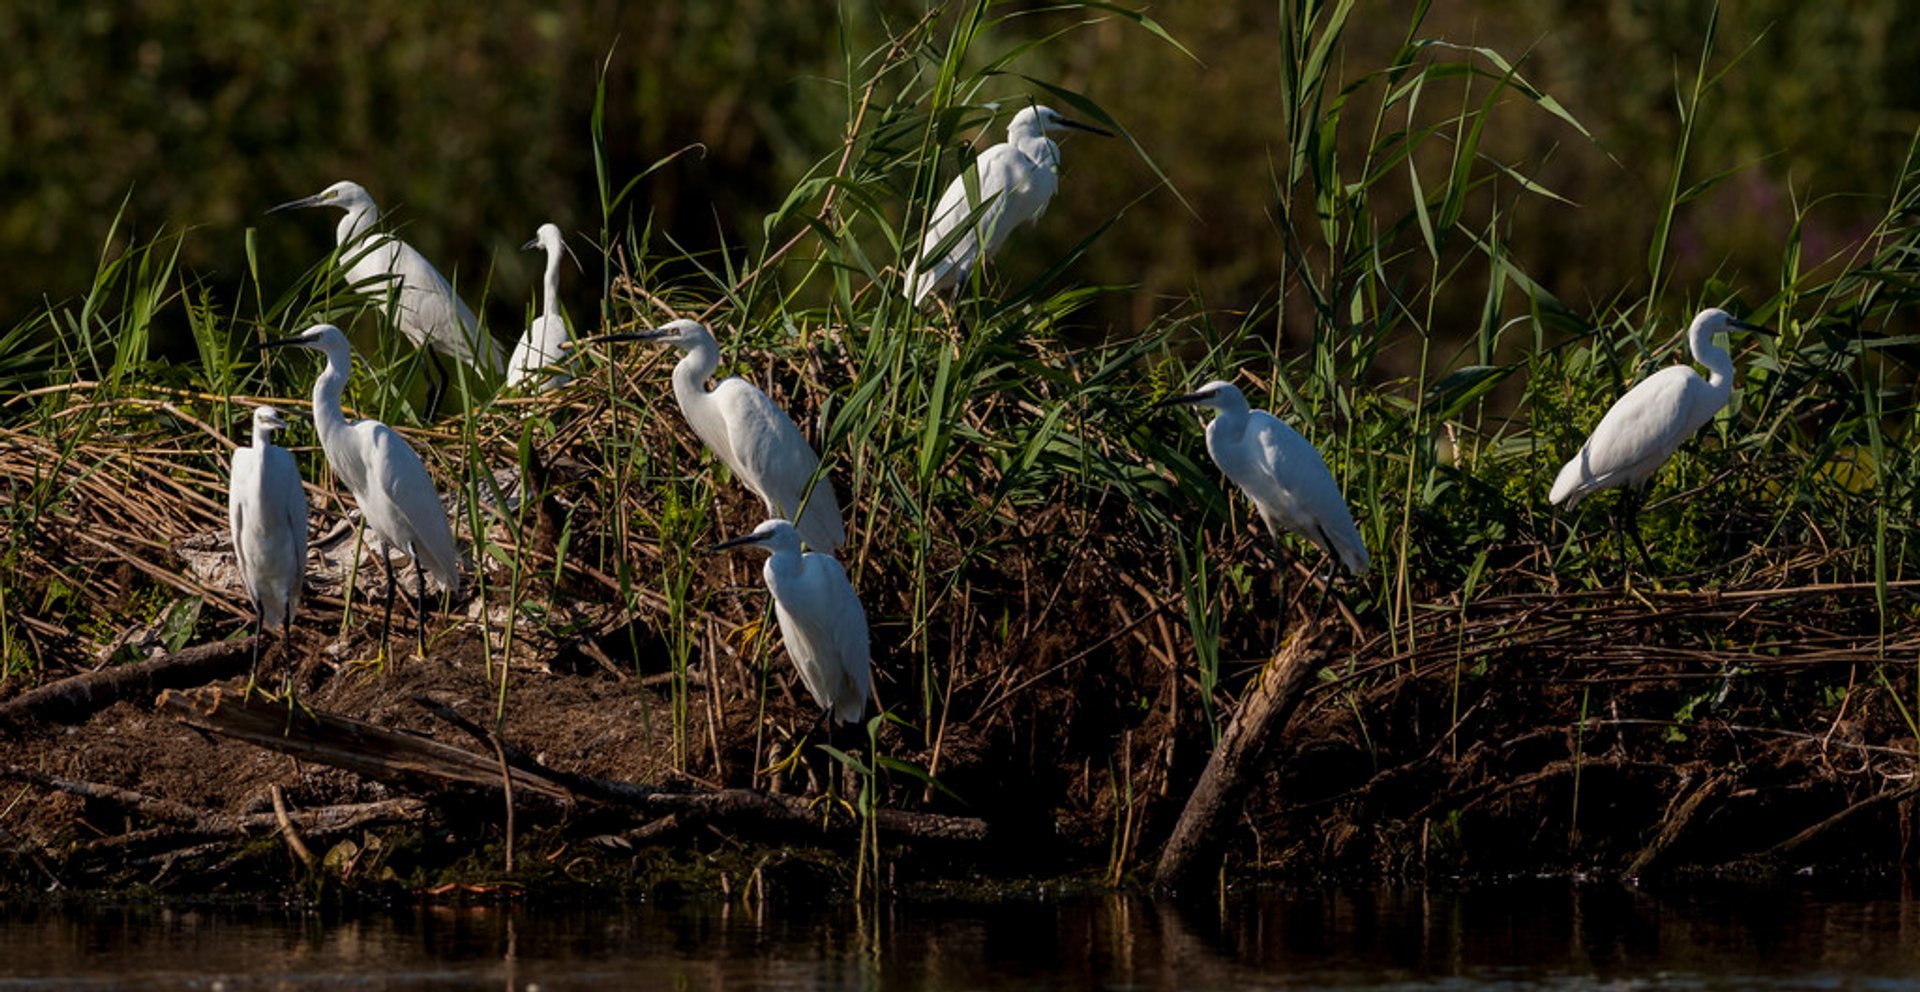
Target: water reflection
1546 935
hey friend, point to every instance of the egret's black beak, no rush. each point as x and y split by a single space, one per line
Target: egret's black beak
1199 397
305 201
735 542
1078 126
531 244
1753 328
277 343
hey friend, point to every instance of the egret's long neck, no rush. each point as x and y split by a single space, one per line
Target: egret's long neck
551 302
1229 424
1036 146
784 563
329 420
1719 364
358 221
690 388
262 437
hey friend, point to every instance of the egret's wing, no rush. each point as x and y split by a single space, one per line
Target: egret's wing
831 620
1645 425
245 478
281 480
1298 481
775 461
395 471
539 348
438 317
977 210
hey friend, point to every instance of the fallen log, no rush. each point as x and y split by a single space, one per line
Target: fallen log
730 807
364 748
1680 814
71 700
1193 850
194 823
417 762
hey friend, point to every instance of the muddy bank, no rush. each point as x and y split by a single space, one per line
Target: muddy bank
1534 734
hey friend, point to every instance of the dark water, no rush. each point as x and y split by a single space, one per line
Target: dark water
1556 936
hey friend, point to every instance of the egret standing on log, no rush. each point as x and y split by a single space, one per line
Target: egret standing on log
385 475
1009 185
1646 426
401 280
267 514
755 438
535 359
821 620
1280 471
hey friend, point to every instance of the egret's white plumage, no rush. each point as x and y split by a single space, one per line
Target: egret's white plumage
536 359
821 620
386 476
1644 427
1280 471
381 266
1010 184
754 437
267 514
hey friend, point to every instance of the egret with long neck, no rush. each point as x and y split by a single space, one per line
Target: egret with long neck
1010 184
388 480
1280 471
1646 426
535 361
404 284
821 620
750 434
267 516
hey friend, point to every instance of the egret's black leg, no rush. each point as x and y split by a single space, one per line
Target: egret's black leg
259 632
419 599
1636 500
386 626
436 384
286 648
1326 590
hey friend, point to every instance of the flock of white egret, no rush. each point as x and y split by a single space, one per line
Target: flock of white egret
821 620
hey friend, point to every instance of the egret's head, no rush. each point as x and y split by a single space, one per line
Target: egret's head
1037 120
1218 394
266 420
1714 320
549 239
345 194
680 333
774 536
320 337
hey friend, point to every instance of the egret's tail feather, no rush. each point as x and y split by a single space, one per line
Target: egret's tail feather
1348 547
1570 485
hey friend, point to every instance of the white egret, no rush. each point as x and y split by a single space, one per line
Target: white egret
267 514
753 436
385 475
535 360
401 279
1647 425
1009 185
821 620
1280 471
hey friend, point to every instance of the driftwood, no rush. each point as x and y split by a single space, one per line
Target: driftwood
343 742
736 807
1680 814
417 762
74 699
188 823
1193 850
